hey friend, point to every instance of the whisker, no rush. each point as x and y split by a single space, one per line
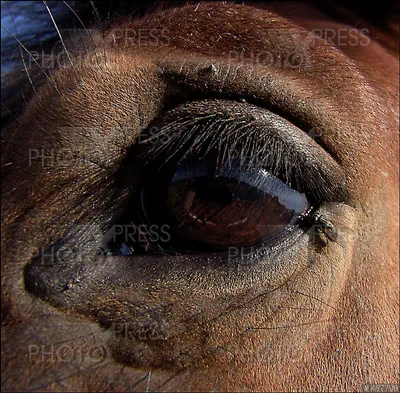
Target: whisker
80 21
297 308
169 379
148 381
83 25
222 380
115 380
97 15
7 109
59 34
26 69
315 298
287 326
138 381
32 57
20 49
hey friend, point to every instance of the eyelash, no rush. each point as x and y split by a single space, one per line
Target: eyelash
279 161
254 146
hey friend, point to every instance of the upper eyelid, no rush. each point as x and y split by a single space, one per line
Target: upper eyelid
268 142
291 95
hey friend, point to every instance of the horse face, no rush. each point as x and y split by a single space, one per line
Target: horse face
305 310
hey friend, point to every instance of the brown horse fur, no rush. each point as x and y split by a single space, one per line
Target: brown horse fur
303 319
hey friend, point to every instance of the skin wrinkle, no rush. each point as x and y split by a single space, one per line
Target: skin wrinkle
261 87
305 319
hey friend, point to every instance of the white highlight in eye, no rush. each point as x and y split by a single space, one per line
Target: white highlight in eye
264 181
291 199
259 179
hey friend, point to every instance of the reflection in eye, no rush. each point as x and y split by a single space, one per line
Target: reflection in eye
209 207
225 207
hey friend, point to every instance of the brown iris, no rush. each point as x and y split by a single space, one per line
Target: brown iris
223 212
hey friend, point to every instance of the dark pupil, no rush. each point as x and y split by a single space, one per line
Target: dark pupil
224 212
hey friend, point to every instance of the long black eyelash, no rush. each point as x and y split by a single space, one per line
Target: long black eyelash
182 134
192 137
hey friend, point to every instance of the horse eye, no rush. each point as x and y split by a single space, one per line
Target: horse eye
213 186
224 207
207 207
